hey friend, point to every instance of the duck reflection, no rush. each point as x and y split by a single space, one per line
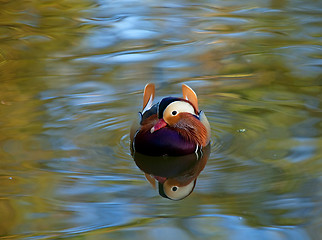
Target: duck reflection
175 177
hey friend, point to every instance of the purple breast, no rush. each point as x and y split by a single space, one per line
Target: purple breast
165 141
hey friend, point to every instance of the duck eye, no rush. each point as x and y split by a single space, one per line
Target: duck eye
174 113
174 188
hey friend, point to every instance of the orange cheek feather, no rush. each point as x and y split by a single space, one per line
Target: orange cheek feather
192 129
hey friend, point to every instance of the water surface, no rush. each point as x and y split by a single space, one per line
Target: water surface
72 75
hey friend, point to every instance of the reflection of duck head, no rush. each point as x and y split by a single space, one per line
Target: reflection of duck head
175 177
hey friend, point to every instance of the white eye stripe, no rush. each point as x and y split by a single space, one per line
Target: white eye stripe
175 192
177 107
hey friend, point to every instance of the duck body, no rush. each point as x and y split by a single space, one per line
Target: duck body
173 127
165 141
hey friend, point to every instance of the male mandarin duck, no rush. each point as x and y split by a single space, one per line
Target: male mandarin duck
173 127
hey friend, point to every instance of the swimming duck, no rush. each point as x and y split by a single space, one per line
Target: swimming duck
173 127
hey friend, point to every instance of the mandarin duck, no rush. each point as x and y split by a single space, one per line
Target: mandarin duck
174 177
172 127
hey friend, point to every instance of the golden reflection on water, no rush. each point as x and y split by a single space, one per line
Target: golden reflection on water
71 80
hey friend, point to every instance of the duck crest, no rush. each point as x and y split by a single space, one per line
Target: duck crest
174 126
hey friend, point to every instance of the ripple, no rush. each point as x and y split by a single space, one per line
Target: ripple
73 73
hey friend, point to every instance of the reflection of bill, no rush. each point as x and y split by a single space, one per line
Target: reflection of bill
175 177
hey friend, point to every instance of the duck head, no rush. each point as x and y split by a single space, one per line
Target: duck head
171 111
182 114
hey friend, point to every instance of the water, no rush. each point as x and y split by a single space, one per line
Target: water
72 74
